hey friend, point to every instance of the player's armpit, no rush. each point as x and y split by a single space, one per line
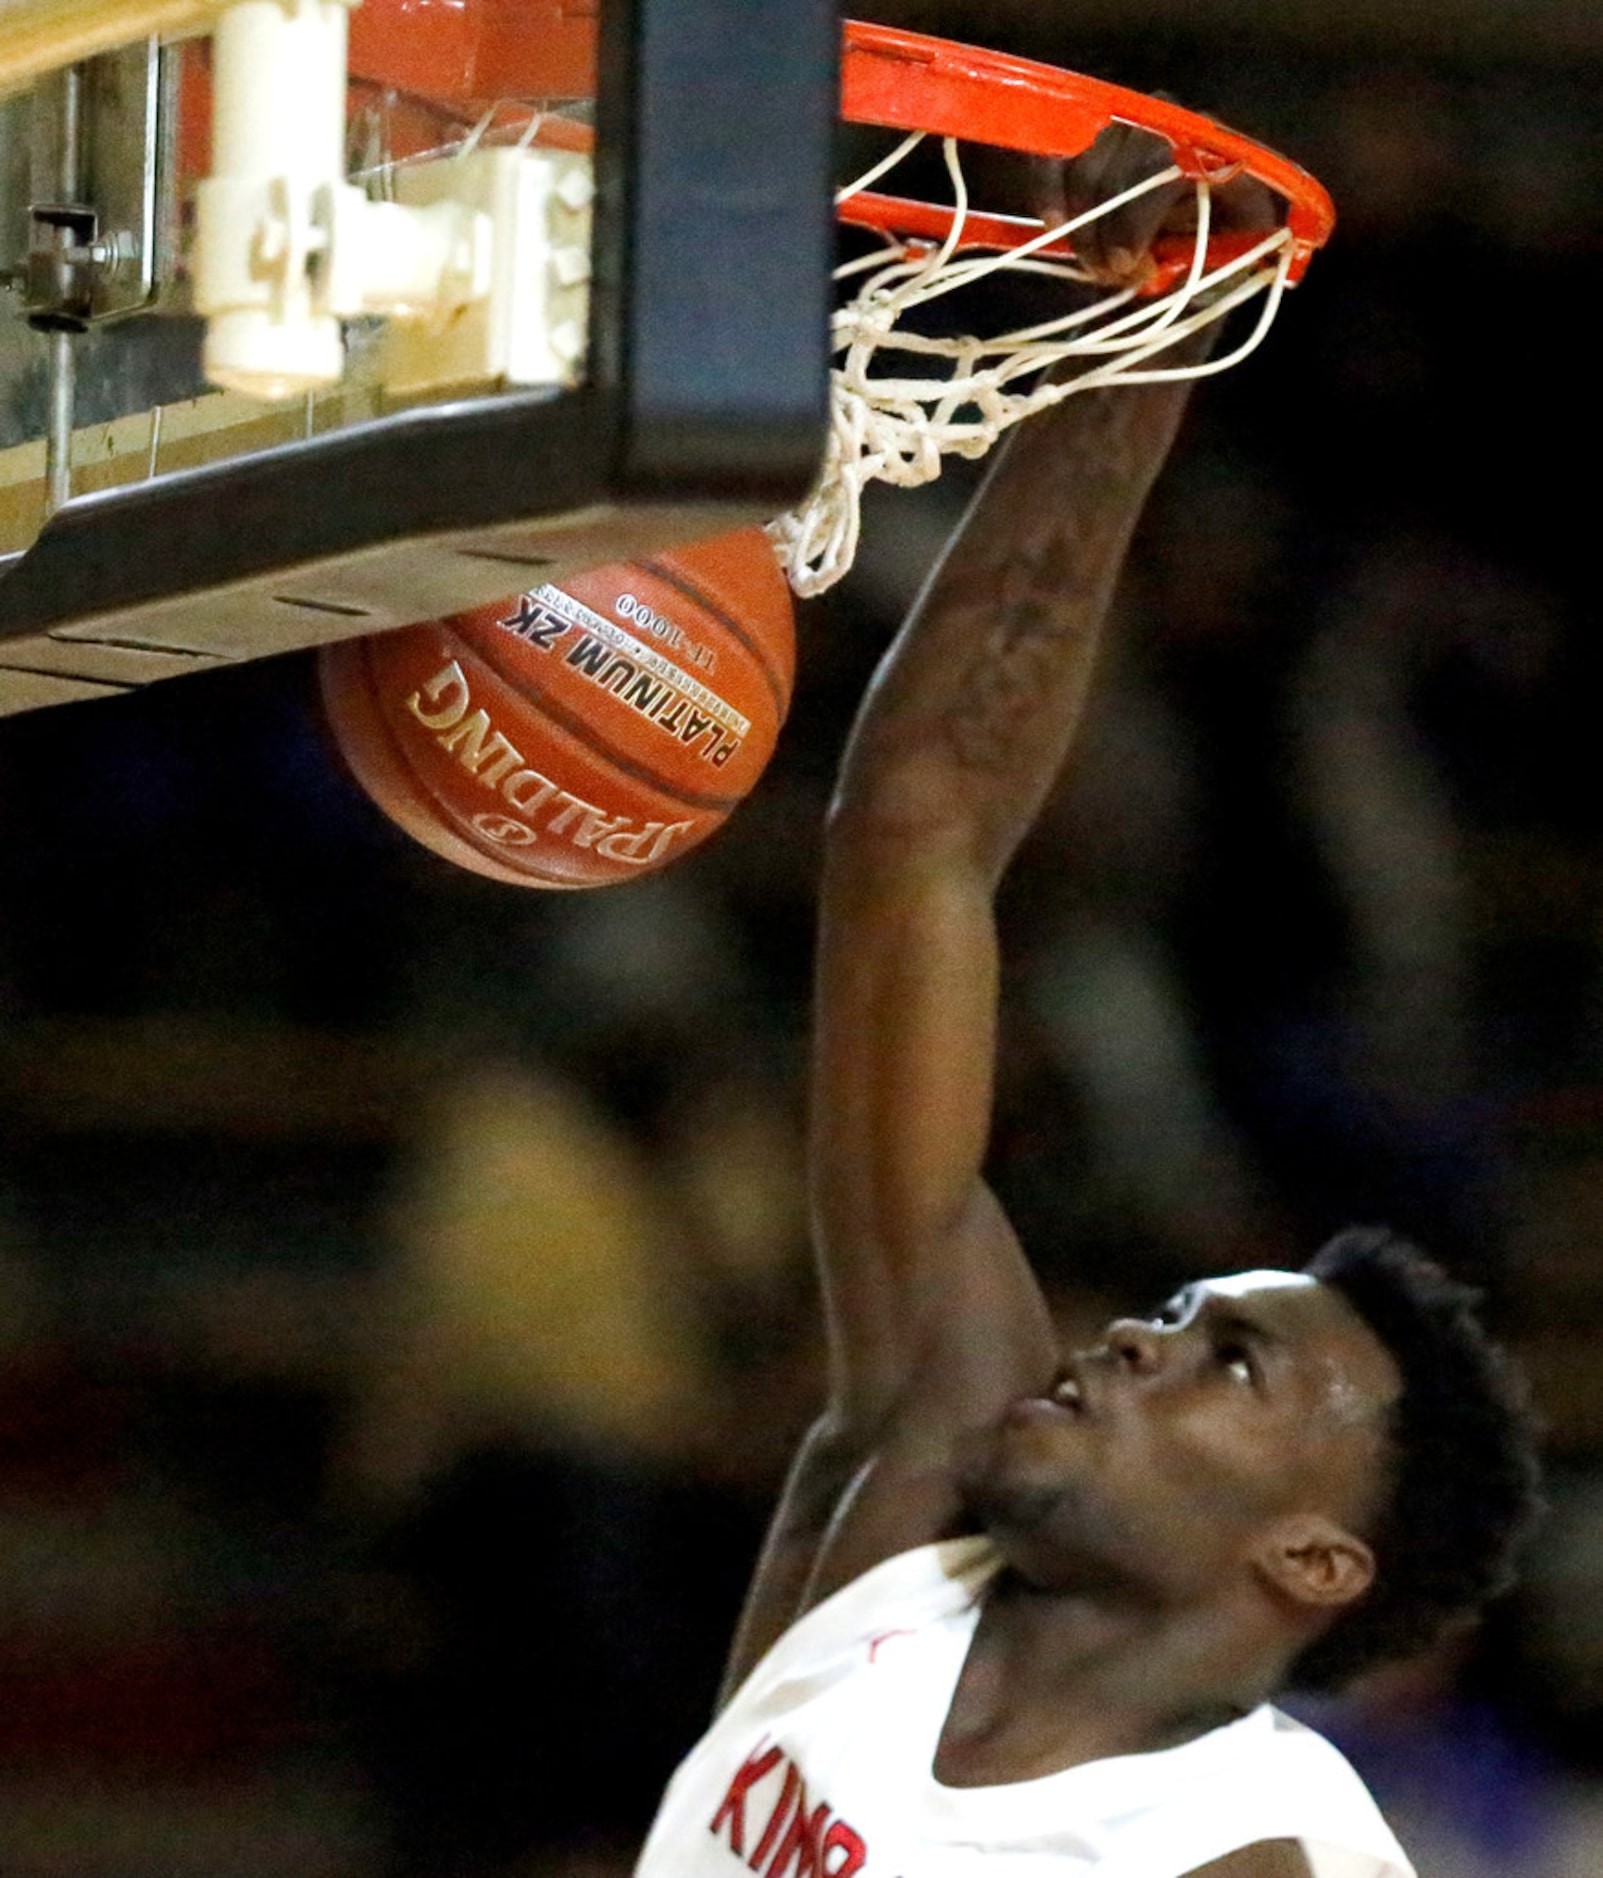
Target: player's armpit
819 1480
1269 1858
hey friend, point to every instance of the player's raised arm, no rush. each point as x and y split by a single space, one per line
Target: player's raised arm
931 1312
935 1321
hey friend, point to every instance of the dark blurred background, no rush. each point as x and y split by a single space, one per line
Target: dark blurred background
404 1307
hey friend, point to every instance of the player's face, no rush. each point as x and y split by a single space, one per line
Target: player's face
1159 1456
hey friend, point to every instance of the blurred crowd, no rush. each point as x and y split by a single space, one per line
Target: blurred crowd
405 1315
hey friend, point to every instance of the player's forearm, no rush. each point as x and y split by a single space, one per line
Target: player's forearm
969 718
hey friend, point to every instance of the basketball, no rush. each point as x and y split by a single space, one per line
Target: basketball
581 734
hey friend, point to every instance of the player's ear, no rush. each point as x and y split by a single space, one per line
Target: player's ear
1315 1561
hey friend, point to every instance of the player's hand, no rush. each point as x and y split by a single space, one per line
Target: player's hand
1116 248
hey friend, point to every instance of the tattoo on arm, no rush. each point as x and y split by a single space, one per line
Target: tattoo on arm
1002 687
1026 592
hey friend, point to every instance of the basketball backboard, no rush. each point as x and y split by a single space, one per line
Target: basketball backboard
202 528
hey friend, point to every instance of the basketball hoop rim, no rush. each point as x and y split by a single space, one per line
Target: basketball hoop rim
895 79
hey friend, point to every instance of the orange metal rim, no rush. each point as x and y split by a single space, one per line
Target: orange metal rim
906 81
474 52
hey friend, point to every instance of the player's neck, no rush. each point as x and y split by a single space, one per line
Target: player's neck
1054 1681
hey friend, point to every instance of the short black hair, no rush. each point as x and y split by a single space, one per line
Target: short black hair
1465 1485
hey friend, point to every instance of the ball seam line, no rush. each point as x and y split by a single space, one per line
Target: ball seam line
753 649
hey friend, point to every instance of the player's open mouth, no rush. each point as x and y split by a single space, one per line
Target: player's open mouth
1067 1392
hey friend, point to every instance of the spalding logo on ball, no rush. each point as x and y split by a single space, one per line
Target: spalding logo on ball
581 734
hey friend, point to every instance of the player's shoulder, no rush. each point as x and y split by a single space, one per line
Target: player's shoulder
921 1584
1272 1789
900 1595
1248 1799
929 1580
1272 1858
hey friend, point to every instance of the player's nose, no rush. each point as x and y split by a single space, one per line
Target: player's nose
1137 1346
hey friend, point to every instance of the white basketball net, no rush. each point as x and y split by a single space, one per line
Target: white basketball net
902 400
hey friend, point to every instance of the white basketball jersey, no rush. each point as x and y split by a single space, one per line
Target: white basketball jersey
821 1767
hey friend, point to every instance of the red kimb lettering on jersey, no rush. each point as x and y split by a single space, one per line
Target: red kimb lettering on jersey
759 1762
805 1842
841 1838
777 1817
